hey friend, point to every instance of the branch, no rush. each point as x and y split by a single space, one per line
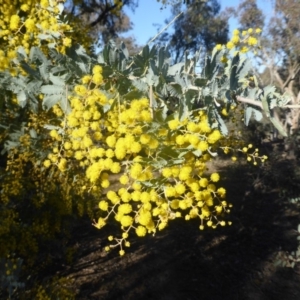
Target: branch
292 75
249 101
166 27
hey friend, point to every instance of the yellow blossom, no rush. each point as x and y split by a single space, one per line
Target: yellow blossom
230 45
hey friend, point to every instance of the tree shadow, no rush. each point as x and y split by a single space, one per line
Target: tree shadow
182 262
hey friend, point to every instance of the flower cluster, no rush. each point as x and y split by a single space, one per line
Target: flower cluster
241 42
111 141
150 196
34 23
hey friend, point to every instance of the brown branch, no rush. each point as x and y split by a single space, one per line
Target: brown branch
249 101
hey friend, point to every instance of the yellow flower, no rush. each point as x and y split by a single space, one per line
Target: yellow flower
162 225
244 49
140 231
235 39
221 192
173 124
214 177
47 163
115 167
203 146
67 145
125 208
80 90
258 30
203 182
14 22
30 24
180 140
86 79
230 45
101 223
24 7
124 179
135 147
252 41
126 221
219 209
44 3
224 59
170 191
67 42
97 69
180 188
145 218
97 78
103 205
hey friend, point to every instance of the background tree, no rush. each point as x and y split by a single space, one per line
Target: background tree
280 55
201 25
105 19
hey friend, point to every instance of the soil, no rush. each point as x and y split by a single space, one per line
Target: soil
182 262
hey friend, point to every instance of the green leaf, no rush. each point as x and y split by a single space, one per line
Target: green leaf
21 96
278 126
43 68
64 104
151 78
175 90
257 115
124 50
52 89
145 52
56 80
51 127
233 80
245 66
33 133
221 124
215 89
163 56
248 114
168 152
36 55
43 36
197 153
213 154
140 85
135 94
201 82
22 52
175 69
50 100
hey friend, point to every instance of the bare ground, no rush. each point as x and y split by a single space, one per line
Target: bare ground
182 262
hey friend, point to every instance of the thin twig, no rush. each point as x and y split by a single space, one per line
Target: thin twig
166 27
154 38
151 99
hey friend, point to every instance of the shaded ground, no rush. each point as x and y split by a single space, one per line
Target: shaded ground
182 262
